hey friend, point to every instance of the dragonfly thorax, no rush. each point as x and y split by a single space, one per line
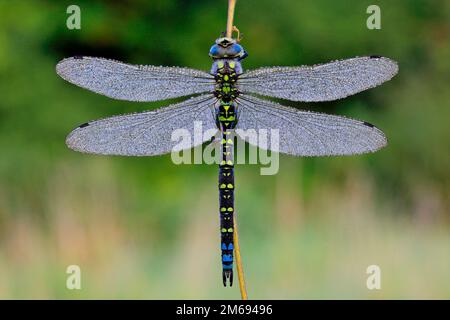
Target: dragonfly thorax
226 73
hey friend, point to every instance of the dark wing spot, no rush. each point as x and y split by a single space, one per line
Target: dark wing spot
375 57
368 124
78 57
84 125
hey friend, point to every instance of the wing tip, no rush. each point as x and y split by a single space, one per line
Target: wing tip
380 137
64 64
390 62
71 140
74 139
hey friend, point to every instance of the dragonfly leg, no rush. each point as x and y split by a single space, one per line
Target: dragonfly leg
239 36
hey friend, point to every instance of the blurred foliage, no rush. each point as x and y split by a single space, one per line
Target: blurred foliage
146 228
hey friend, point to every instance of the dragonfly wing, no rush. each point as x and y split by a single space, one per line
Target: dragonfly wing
303 133
123 81
148 133
324 82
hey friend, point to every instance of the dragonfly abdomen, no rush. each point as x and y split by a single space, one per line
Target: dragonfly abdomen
226 205
226 120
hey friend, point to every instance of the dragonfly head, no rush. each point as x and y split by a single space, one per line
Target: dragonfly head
227 48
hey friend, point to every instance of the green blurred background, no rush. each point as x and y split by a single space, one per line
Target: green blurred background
146 228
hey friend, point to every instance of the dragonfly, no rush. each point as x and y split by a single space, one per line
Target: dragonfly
226 100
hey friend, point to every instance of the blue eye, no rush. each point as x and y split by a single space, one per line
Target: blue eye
214 51
232 51
237 48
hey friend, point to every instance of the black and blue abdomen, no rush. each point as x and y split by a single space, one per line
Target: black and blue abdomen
226 110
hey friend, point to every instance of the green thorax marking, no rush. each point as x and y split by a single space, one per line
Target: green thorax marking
226 78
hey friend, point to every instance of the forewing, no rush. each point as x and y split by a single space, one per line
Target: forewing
148 133
324 82
303 133
123 81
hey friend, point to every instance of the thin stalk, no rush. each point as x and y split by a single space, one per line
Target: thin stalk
240 270
237 249
231 6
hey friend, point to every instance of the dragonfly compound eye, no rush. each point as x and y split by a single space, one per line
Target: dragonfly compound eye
226 48
214 52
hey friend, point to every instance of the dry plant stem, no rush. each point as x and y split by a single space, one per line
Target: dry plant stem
231 6
240 270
